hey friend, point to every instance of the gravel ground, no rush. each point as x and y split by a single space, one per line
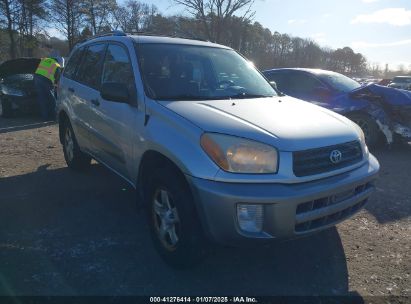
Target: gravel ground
67 233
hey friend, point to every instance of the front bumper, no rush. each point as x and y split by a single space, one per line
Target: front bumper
290 210
23 104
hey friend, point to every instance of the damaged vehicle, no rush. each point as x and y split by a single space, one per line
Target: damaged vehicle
383 113
17 91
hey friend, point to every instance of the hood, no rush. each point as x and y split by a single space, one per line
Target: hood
19 66
284 122
331 106
392 96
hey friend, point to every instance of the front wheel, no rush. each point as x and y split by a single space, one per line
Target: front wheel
75 159
368 126
174 224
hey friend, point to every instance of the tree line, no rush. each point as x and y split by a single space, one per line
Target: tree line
229 22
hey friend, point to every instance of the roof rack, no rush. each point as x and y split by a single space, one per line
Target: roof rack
142 33
112 33
188 36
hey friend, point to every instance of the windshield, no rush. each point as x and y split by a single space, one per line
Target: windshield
186 72
401 80
339 82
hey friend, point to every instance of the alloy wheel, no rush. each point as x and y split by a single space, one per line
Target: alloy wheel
69 144
166 220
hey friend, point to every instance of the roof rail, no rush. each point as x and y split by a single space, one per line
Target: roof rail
143 33
188 36
112 33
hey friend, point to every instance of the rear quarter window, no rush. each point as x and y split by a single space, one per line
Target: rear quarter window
73 63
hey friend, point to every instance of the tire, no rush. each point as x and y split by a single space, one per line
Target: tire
75 159
174 225
6 109
369 127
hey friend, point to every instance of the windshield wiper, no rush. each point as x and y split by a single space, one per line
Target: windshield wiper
247 95
184 97
188 97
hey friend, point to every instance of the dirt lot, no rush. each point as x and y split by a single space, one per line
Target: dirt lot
66 233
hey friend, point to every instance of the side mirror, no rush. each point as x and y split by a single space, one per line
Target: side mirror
274 85
115 91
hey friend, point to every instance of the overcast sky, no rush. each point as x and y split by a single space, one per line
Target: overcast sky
379 29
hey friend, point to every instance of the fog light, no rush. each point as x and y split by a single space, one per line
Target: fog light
250 217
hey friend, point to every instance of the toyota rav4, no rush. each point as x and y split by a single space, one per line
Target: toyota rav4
213 150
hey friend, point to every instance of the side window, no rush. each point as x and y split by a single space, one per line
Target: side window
90 69
117 67
282 81
302 83
73 63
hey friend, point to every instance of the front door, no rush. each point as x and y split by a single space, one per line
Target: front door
117 121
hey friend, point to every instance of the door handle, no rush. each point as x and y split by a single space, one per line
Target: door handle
95 102
71 90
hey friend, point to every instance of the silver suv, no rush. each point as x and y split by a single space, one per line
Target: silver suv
213 150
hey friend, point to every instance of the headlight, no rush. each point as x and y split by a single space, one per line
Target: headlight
239 155
362 140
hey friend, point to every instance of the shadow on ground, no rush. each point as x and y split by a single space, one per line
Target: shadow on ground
392 202
69 233
22 123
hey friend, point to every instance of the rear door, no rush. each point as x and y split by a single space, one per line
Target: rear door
68 86
87 94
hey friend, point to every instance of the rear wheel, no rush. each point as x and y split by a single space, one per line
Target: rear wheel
368 126
174 224
75 159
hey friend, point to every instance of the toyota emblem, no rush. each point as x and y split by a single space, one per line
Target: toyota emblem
335 156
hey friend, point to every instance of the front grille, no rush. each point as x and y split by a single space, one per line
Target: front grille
319 205
316 161
330 219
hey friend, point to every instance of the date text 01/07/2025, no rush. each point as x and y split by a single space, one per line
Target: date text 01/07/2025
203 300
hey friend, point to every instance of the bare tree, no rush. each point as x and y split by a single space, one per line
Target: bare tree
401 69
135 16
68 17
375 69
224 21
97 13
9 11
214 14
31 14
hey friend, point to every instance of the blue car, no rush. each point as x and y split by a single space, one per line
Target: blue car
383 113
